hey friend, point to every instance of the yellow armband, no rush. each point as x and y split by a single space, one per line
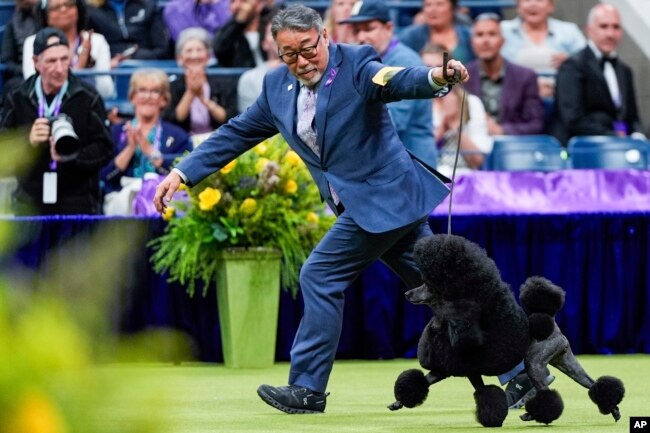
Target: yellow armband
385 74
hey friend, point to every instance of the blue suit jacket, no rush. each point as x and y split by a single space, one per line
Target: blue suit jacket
380 185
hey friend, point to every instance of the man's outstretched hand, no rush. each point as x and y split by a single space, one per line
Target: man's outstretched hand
453 67
165 191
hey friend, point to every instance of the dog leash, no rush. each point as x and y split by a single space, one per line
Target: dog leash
453 80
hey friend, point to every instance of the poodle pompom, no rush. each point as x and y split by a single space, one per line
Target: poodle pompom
541 326
539 295
411 388
607 393
546 406
491 406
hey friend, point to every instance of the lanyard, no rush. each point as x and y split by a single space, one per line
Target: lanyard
53 109
393 43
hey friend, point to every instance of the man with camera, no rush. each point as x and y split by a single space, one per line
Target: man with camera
68 136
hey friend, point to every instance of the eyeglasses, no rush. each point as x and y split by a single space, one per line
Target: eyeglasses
306 52
148 92
66 4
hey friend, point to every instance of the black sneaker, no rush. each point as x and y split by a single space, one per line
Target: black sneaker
520 389
293 399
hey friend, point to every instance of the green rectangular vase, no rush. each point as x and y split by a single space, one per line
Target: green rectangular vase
248 297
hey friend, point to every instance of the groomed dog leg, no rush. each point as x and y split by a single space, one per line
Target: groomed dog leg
412 388
607 392
491 403
546 406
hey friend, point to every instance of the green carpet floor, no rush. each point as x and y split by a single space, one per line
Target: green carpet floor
190 398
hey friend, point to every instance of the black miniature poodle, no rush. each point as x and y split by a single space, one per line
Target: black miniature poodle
542 300
479 329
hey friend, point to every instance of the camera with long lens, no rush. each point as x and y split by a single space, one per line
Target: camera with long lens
66 140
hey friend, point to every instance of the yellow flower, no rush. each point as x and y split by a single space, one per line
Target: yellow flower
292 158
260 149
169 213
260 164
229 167
183 187
248 206
291 187
312 218
35 413
208 198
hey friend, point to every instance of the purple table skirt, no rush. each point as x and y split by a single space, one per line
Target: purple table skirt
557 192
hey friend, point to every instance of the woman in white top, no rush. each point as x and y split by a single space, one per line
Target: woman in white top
536 40
89 50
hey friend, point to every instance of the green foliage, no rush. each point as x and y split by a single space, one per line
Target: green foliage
264 198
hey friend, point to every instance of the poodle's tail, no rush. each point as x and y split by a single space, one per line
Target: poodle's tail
541 299
411 389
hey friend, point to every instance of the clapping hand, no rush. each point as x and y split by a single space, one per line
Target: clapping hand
195 79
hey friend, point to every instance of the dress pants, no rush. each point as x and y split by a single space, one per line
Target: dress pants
343 253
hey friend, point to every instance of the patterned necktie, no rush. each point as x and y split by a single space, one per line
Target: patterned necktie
305 127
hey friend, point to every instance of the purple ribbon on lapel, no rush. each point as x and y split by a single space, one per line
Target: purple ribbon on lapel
331 77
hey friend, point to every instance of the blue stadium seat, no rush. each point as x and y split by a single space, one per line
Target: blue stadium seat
526 153
605 151
7 9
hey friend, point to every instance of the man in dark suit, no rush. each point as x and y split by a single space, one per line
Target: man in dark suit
328 101
509 92
594 93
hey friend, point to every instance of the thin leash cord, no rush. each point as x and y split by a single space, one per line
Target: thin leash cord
453 173
456 80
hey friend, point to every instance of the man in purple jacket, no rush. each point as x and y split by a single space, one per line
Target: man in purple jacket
509 92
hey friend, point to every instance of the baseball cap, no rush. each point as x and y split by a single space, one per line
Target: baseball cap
368 10
42 39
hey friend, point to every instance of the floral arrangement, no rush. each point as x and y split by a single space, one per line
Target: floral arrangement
265 198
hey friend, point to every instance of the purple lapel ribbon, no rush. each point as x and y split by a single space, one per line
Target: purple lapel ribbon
331 77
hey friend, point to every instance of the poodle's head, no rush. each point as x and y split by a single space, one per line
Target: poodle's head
455 267
539 295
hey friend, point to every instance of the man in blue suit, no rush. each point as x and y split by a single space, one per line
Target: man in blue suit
328 101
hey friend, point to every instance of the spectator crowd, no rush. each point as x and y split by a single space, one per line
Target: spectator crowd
533 74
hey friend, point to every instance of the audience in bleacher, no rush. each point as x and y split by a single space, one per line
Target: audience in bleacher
338 11
238 43
440 28
199 103
23 23
208 14
133 28
538 41
89 49
145 144
508 91
372 25
64 175
595 89
475 142
250 83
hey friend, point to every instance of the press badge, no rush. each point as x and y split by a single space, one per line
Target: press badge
49 187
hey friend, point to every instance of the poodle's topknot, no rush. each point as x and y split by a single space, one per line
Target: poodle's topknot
539 295
453 264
